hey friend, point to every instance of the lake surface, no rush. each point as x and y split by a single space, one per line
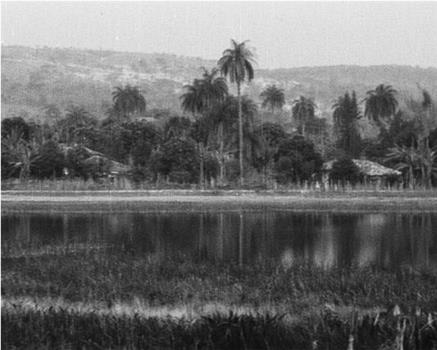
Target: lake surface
384 240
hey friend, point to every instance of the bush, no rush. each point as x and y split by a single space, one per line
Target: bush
177 155
297 160
344 171
49 162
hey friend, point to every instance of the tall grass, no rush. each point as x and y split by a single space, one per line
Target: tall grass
126 184
63 329
110 298
113 275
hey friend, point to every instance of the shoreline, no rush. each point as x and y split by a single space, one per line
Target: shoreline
414 201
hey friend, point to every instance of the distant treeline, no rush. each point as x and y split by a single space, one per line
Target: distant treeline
221 138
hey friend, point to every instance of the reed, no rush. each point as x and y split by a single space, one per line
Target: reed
65 329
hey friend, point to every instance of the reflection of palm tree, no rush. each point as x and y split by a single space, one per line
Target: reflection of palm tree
380 104
236 63
273 98
303 110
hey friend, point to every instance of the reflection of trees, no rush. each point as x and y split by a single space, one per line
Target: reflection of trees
326 250
389 240
368 236
408 241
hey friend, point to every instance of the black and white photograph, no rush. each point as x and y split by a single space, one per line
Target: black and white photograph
219 175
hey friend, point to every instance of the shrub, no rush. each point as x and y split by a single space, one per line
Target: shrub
343 171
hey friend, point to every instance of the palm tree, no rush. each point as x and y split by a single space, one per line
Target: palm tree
303 110
405 159
76 118
200 98
346 115
273 97
18 153
380 104
128 100
236 63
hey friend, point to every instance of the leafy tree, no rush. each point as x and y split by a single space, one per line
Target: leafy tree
229 113
177 127
49 162
177 157
346 115
76 119
145 137
414 151
236 63
381 104
127 101
17 126
200 98
116 142
405 159
270 136
273 98
303 110
75 162
17 155
344 171
297 160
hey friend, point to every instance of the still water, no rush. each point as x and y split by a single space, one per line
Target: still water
384 240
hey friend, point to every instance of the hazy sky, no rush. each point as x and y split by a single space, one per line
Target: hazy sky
284 34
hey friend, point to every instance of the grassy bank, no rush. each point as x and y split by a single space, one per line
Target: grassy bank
224 200
95 300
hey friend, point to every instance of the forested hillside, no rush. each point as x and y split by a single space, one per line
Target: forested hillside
33 79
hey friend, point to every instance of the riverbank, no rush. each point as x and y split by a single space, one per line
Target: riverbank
218 200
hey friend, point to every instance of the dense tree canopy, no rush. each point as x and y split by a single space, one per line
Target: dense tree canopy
346 115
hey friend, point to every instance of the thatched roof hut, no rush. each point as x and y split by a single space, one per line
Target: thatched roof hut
367 168
103 165
111 167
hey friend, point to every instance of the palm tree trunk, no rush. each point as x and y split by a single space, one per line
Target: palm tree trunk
221 155
240 133
202 161
410 177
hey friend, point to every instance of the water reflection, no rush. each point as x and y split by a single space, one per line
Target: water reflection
388 240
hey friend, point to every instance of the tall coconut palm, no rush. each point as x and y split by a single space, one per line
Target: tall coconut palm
199 98
303 110
381 104
273 98
236 63
128 100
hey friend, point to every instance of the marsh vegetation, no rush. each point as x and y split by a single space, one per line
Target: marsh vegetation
258 279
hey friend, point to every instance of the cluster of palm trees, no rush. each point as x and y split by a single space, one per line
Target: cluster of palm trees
210 93
214 110
207 94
